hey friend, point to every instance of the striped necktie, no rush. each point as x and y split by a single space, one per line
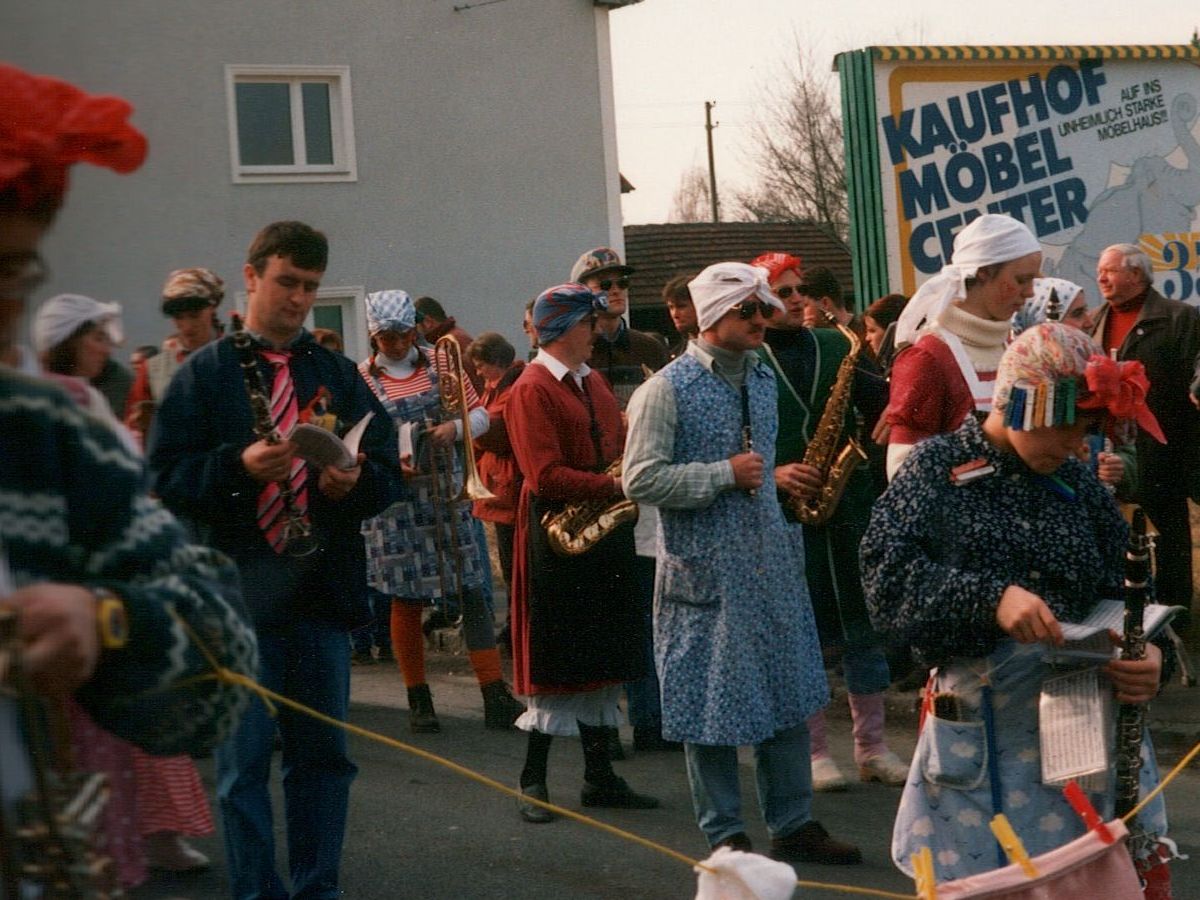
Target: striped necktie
272 513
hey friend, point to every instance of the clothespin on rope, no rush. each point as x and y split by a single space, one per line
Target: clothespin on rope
1012 845
1084 809
922 863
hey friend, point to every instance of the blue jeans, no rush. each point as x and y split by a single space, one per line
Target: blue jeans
783 775
309 663
378 633
645 703
866 669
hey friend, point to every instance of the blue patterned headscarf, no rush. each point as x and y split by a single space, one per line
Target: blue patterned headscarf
1034 311
390 311
560 308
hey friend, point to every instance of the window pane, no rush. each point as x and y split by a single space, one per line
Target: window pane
318 138
264 119
328 317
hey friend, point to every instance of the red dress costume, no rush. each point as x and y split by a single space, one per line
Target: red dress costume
577 625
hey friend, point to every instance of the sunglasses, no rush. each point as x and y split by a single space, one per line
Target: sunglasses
747 308
787 290
622 283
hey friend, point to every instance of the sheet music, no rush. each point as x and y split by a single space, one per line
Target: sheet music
1074 722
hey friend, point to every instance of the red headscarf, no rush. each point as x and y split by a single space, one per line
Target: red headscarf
778 263
47 125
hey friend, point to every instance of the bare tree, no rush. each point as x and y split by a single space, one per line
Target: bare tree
797 154
691 201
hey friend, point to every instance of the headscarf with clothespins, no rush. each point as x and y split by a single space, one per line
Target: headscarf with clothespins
1051 371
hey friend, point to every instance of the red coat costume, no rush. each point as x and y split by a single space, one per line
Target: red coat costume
576 621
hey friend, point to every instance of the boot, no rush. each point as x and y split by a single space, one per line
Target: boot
421 717
500 707
875 761
826 776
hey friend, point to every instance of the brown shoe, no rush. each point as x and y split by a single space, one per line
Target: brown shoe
811 843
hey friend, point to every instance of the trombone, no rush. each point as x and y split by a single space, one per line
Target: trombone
445 495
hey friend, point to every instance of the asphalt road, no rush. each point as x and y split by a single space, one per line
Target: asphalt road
419 830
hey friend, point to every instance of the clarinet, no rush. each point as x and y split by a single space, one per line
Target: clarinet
298 538
747 435
1131 716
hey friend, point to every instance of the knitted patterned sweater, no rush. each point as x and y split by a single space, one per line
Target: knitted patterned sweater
74 509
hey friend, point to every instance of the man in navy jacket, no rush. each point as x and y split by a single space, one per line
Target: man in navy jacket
209 466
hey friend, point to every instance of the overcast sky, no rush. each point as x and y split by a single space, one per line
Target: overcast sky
669 56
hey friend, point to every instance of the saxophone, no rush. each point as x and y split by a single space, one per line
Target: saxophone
822 452
578 527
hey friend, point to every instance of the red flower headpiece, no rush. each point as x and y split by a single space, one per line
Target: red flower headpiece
1120 388
47 125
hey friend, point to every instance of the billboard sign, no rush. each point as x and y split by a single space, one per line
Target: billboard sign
1087 151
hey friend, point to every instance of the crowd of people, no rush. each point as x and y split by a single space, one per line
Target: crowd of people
698 528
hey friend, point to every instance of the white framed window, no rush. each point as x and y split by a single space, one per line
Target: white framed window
290 123
339 309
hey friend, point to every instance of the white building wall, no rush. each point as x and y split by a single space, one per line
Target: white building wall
485 152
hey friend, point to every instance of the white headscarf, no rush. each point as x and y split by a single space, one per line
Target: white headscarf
59 317
1033 312
988 240
722 286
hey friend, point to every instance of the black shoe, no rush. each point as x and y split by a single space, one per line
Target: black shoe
421 717
649 739
500 707
362 658
810 843
615 794
739 841
535 815
386 655
612 738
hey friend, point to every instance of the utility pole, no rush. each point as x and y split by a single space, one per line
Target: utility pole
709 125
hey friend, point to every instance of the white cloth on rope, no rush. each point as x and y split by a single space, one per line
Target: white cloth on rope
734 875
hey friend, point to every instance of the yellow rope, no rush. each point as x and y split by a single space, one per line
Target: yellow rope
1171 776
269 696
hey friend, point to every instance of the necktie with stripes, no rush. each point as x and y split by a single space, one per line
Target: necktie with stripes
272 514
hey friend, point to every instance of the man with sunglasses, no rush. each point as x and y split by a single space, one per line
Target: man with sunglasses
736 645
619 351
807 362
623 355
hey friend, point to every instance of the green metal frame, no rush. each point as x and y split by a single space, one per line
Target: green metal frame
868 236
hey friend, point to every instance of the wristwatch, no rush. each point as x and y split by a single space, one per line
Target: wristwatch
112 623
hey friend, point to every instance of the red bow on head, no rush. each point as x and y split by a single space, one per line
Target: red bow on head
1120 388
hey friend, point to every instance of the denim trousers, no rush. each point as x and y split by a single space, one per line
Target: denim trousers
866 669
378 633
642 696
782 773
309 663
